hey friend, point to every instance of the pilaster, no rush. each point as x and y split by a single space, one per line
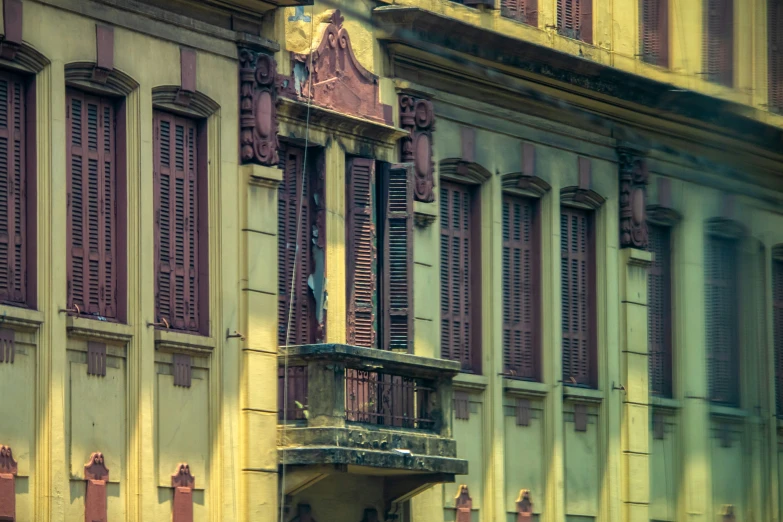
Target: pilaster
335 243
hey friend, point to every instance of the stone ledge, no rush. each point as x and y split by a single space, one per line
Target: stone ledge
178 342
97 330
21 319
269 177
320 455
520 388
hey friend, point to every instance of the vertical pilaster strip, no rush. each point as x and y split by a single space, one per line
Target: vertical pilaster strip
635 432
47 301
772 504
335 243
691 377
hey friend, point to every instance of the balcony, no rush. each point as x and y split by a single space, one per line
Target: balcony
366 412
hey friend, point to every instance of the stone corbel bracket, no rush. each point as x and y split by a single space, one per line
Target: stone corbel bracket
8 471
96 474
633 198
417 116
464 504
258 97
524 506
183 483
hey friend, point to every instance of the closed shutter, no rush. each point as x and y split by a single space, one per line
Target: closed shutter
293 192
722 320
459 299
13 190
575 19
578 309
777 321
775 54
177 214
92 208
654 31
659 336
360 241
525 11
396 261
718 41
520 288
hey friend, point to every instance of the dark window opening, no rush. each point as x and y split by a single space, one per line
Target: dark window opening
659 319
775 54
525 11
654 31
718 41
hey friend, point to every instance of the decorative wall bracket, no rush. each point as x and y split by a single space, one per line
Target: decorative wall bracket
418 118
524 506
97 476
183 483
7 346
96 359
333 78
633 198
8 470
463 503
258 82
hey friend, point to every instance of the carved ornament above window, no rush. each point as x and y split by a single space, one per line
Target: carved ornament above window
633 198
463 171
418 118
259 86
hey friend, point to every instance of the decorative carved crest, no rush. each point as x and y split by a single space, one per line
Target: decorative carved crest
418 118
183 483
258 108
332 77
8 470
463 503
97 475
7 346
633 199
524 506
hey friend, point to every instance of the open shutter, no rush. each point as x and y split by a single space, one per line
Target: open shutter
576 283
654 31
177 221
92 219
659 312
293 195
718 41
360 240
722 320
13 208
775 53
777 321
520 288
458 302
586 21
568 15
397 258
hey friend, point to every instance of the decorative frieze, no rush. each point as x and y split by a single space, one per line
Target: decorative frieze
418 118
258 108
633 199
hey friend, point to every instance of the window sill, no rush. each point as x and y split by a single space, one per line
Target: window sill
519 388
470 382
21 319
180 342
665 405
95 330
728 413
575 394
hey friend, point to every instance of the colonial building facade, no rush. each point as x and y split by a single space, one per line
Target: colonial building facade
470 261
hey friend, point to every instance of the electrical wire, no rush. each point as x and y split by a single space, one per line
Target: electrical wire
296 260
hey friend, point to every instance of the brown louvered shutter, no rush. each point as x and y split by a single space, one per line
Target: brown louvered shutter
92 209
293 196
13 190
722 321
525 11
520 287
718 41
459 276
775 54
360 241
578 297
575 19
777 321
654 31
177 222
659 334
396 259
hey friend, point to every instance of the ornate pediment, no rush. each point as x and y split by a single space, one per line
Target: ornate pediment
331 76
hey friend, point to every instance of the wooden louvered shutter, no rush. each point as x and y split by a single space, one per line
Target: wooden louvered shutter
586 21
525 11
654 31
293 192
578 297
13 190
722 320
92 208
775 54
659 334
459 276
520 287
360 241
575 19
396 259
718 41
777 321
178 230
